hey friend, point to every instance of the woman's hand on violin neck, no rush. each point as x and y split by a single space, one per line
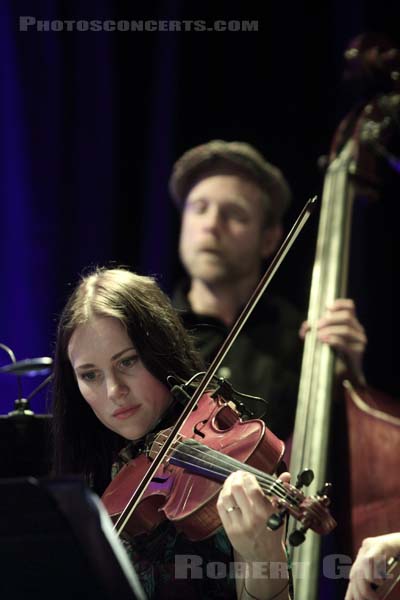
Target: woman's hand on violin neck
244 511
340 328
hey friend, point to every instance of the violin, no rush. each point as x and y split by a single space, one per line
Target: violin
213 443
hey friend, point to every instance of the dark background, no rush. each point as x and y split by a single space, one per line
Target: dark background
91 123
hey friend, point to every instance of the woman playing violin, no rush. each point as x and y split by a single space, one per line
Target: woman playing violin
118 341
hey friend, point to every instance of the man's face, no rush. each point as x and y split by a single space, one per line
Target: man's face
223 238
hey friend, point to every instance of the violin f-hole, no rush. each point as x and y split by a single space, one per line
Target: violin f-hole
198 431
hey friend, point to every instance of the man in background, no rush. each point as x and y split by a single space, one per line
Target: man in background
232 203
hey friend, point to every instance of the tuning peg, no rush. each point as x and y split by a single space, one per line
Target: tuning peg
304 478
297 537
325 490
276 520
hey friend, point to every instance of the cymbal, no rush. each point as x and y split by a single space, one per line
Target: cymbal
29 366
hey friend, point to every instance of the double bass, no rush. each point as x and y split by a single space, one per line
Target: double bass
361 153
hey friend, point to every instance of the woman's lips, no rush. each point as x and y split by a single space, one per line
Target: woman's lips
125 413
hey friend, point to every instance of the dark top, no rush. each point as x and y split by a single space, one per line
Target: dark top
264 361
171 567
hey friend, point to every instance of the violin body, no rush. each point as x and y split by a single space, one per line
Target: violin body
189 499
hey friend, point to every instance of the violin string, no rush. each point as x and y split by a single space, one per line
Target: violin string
266 481
267 485
228 465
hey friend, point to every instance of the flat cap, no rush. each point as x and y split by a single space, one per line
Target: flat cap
219 157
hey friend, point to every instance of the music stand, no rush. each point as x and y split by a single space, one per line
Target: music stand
24 436
24 445
56 541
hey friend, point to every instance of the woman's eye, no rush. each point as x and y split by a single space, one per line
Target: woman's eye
88 376
128 362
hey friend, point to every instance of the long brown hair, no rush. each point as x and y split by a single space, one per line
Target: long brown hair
82 444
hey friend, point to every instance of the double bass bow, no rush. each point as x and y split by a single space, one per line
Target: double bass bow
361 150
210 440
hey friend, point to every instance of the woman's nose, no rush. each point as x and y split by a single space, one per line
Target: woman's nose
116 388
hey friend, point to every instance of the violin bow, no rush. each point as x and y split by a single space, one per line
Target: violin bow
212 369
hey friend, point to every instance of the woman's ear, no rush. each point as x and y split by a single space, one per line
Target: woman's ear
271 239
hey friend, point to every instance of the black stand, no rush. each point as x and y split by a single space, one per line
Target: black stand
56 542
24 445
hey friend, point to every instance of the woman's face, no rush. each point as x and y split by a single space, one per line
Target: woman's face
122 393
